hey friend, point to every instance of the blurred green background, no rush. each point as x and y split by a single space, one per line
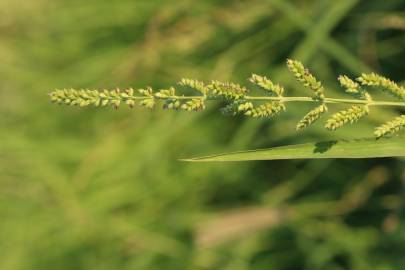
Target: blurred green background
102 189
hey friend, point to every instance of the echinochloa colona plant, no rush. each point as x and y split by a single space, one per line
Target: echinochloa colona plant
237 100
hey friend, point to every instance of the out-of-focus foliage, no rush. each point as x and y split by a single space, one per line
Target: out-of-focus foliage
92 189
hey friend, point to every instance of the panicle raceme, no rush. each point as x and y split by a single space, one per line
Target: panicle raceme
236 99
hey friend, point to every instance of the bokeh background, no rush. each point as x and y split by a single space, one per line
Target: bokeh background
103 189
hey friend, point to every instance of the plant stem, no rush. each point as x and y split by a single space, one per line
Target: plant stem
298 99
330 100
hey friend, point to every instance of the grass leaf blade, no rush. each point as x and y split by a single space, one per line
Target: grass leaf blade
359 148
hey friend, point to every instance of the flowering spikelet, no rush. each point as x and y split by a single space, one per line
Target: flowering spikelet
311 117
227 90
268 85
149 101
237 106
390 127
351 115
194 84
196 104
268 109
353 88
305 77
171 102
86 97
387 85
166 93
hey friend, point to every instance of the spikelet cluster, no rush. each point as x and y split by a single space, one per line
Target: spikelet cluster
311 117
387 85
149 100
169 97
306 78
353 88
268 109
166 93
194 84
390 127
88 97
267 85
227 90
351 115
236 107
195 104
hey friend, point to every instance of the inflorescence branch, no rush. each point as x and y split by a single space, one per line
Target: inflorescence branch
237 100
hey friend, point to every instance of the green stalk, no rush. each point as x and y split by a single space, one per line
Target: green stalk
294 99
